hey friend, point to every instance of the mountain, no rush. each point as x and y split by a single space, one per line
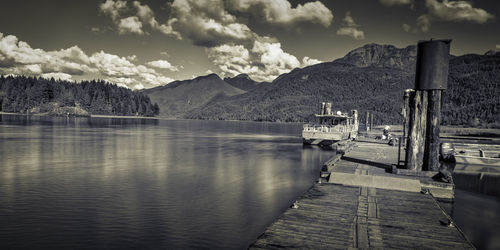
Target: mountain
382 56
180 97
371 78
295 96
242 81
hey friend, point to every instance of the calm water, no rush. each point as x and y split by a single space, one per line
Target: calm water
130 183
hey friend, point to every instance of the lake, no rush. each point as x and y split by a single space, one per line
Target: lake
111 183
141 183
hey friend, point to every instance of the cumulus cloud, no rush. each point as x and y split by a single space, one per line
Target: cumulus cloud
163 64
406 27
350 28
146 15
457 11
265 61
210 23
57 76
424 22
352 32
448 10
130 25
113 9
18 58
207 23
221 27
306 61
232 59
395 2
281 11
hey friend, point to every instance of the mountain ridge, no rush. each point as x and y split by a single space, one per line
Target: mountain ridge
370 78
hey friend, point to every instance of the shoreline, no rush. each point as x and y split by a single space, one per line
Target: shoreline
447 131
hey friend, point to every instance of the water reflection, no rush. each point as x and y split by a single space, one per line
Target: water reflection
141 183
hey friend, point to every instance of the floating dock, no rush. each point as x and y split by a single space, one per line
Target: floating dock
364 205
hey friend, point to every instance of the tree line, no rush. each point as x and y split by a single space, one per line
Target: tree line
25 94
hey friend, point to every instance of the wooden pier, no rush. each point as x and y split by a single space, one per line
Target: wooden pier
363 205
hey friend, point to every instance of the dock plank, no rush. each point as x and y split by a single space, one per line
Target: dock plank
334 216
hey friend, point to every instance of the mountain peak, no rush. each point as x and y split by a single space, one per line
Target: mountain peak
209 76
241 81
381 56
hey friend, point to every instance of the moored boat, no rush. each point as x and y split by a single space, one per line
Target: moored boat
330 127
477 160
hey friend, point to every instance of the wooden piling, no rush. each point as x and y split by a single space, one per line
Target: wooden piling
416 131
371 121
425 107
405 112
367 121
432 140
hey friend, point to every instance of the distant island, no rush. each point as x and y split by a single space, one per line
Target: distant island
370 78
32 95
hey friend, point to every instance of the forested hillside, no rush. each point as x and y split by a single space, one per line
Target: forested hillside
473 94
54 97
180 97
472 97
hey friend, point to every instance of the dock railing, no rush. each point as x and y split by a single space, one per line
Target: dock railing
327 128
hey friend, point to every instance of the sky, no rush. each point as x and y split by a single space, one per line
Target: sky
145 43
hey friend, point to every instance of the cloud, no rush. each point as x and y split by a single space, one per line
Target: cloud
209 23
113 9
352 32
424 22
497 47
281 12
395 2
95 29
265 61
350 28
221 27
18 58
163 64
457 11
306 61
406 27
451 11
232 60
146 15
57 76
130 25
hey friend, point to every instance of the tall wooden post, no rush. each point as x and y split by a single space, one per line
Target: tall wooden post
371 121
405 112
425 106
367 124
416 131
432 139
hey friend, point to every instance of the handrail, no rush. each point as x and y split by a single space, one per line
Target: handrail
328 128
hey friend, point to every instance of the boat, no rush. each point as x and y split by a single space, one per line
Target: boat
471 154
329 128
477 160
477 156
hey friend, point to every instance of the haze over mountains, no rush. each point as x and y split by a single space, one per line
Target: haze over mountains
371 78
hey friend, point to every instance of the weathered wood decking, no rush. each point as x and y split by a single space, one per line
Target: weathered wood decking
333 216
